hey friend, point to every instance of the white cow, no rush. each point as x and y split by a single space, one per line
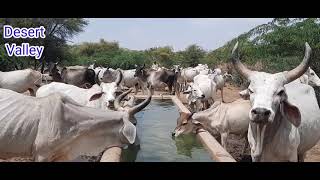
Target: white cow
155 66
129 80
99 71
218 78
284 117
203 69
97 96
224 118
109 74
203 89
56 128
189 73
21 80
180 81
310 77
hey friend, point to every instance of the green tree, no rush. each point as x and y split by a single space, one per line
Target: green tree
193 55
58 31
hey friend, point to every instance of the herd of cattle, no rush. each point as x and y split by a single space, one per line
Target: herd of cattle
80 110
277 113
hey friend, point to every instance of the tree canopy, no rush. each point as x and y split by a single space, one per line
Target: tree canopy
58 32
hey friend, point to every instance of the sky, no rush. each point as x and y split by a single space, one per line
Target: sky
144 33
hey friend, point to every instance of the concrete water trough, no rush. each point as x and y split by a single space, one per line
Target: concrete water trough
216 151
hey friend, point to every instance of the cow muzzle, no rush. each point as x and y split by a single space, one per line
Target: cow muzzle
260 115
173 134
110 104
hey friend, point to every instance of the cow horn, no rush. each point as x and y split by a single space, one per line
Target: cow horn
119 78
142 105
238 65
301 68
119 99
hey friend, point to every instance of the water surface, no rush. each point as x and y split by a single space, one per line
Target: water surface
155 124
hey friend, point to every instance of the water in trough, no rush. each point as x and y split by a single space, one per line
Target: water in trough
155 124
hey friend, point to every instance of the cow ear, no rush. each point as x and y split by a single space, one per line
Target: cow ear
291 113
129 131
244 94
96 96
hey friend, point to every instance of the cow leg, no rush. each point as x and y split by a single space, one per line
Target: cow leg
222 95
136 88
246 144
177 89
41 158
170 85
301 157
224 137
142 89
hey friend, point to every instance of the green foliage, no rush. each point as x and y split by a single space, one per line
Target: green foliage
58 31
193 55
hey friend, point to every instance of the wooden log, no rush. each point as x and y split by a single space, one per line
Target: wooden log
179 104
216 151
111 155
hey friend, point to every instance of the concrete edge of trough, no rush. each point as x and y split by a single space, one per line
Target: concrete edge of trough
216 151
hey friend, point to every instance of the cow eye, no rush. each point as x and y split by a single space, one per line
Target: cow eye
250 90
312 74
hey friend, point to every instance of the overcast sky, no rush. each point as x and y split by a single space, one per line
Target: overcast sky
144 33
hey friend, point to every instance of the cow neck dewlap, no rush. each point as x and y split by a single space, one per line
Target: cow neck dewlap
263 134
